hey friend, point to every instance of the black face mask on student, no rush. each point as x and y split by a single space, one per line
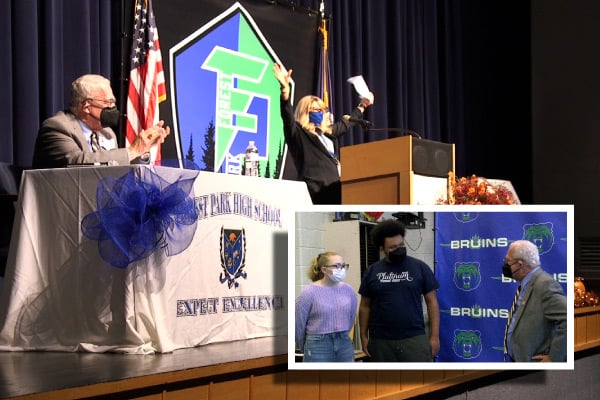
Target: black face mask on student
398 255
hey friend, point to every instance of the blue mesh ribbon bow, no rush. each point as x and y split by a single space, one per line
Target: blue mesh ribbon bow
138 215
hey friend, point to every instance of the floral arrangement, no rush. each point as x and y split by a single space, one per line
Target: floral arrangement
476 190
584 298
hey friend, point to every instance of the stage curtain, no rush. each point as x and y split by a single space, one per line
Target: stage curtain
45 45
453 71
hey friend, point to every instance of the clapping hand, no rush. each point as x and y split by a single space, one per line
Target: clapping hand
147 139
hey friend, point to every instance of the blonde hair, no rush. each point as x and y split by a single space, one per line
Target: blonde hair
303 108
314 270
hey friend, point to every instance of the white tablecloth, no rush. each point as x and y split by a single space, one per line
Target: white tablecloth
60 294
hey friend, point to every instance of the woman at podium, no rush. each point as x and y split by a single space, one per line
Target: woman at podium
312 139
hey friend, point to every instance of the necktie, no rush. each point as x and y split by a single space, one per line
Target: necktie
327 143
510 315
94 142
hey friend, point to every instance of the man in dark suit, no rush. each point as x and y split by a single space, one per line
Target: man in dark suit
84 135
537 330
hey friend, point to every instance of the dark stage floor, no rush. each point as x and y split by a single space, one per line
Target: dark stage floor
26 373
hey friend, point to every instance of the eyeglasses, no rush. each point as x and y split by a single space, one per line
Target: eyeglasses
108 103
339 266
392 248
317 109
510 265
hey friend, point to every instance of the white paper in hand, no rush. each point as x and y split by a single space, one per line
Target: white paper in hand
361 87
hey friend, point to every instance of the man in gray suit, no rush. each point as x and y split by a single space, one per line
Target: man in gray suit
537 330
83 134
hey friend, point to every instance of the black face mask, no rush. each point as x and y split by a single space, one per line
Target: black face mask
507 271
110 117
398 255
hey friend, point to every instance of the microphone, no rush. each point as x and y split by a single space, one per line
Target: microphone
400 130
362 122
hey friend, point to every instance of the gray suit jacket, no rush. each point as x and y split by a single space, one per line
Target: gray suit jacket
61 142
541 320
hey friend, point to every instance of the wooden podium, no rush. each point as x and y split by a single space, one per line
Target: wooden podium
383 172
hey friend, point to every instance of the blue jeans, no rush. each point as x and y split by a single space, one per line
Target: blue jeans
328 347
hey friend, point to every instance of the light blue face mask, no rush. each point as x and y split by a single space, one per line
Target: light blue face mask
338 275
316 117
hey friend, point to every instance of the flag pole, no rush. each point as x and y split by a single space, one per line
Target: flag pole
122 84
124 69
324 52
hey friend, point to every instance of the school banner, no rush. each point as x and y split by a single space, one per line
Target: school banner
222 90
474 297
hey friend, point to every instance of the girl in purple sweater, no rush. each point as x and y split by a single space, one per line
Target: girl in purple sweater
325 312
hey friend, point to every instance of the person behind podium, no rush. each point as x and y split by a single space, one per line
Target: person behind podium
392 326
325 312
312 139
83 134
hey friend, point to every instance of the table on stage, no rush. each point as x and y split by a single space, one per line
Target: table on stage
219 276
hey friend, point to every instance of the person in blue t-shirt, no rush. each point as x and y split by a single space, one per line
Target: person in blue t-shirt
392 326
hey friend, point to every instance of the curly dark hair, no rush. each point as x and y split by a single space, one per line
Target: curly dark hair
385 229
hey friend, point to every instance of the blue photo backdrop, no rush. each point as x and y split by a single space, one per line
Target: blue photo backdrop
474 297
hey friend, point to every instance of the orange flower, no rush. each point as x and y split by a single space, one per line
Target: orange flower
476 191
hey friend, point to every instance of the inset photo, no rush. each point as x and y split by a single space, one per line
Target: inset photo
404 287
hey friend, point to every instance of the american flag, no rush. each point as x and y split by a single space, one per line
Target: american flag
146 79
